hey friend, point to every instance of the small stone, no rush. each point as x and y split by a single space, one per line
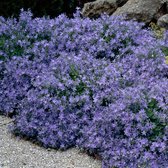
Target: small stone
163 21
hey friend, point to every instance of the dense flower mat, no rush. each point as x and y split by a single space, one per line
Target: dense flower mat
100 85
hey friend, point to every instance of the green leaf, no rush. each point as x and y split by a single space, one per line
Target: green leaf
80 88
159 127
73 73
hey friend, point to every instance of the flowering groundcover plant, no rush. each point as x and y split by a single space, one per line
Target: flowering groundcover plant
100 85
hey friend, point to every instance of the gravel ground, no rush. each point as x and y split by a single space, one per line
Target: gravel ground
19 153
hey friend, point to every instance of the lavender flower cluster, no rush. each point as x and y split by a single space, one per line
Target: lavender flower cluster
99 85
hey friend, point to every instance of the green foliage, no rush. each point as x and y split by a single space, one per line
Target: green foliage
13 49
108 38
159 126
166 59
80 88
158 31
18 51
105 102
57 92
73 73
135 107
2 43
71 35
44 36
165 50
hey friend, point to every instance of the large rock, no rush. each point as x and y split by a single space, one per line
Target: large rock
96 8
141 10
163 21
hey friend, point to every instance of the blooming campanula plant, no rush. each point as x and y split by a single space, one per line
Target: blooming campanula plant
100 85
